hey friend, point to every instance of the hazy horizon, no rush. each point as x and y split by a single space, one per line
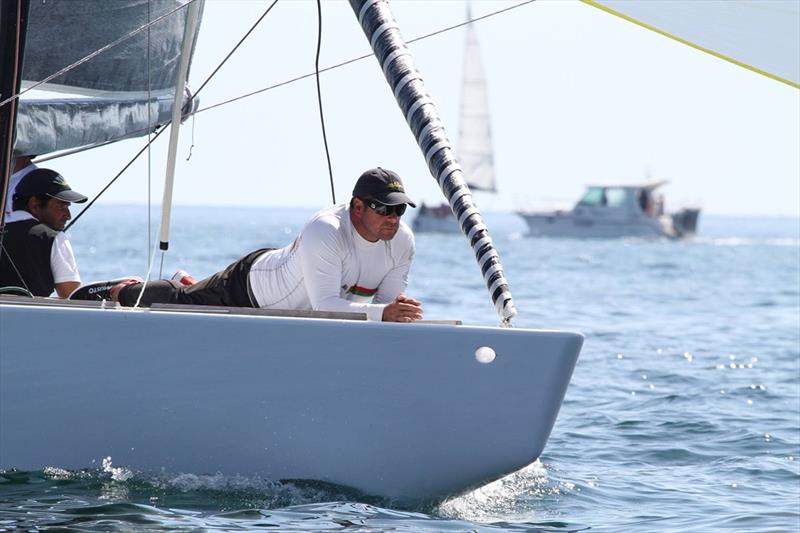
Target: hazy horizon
576 95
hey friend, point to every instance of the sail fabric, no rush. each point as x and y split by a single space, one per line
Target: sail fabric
475 134
761 35
124 91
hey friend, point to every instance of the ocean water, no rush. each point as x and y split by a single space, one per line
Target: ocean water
683 413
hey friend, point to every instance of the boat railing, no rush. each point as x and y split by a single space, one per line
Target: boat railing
222 310
180 308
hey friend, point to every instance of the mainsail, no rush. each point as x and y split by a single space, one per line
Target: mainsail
123 91
475 133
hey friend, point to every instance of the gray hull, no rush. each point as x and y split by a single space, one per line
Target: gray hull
435 224
396 410
612 211
570 225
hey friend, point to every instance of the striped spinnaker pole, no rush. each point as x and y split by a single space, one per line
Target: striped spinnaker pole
420 112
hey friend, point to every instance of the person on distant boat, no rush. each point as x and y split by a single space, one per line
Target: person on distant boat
36 253
349 257
646 203
22 165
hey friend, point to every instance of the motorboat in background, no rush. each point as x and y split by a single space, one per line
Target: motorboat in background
752 35
613 210
474 141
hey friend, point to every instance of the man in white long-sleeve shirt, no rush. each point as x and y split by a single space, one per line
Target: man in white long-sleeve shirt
349 257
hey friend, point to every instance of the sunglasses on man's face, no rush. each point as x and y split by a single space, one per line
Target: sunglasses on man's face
386 210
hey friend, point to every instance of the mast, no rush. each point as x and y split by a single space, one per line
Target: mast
13 23
406 82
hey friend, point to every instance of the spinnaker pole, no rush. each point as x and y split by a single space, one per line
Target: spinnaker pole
13 23
406 82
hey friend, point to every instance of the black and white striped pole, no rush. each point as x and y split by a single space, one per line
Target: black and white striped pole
406 82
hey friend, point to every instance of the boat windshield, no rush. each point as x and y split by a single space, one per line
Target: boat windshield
615 197
603 197
593 196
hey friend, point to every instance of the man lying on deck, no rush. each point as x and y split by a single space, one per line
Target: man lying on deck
36 253
349 257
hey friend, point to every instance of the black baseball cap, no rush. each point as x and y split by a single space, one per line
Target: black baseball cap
383 186
47 182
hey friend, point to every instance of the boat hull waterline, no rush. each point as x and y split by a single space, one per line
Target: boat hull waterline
615 210
394 410
568 224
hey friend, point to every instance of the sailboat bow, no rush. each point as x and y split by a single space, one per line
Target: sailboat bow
413 412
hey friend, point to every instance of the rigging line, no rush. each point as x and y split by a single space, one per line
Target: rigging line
133 132
233 50
3 250
145 147
149 127
191 146
281 84
95 53
319 97
147 278
365 56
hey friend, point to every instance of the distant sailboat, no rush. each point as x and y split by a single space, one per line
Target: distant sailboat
474 140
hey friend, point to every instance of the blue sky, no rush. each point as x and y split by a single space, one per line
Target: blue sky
576 95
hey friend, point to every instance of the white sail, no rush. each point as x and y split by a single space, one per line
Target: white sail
763 35
475 134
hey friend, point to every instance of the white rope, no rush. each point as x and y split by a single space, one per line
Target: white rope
147 277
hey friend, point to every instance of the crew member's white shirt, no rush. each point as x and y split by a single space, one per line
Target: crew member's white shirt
330 267
62 258
16 177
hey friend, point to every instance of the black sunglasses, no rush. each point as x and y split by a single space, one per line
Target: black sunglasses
386 210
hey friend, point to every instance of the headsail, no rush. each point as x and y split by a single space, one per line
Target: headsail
406 82
760 35
124 91
475 133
